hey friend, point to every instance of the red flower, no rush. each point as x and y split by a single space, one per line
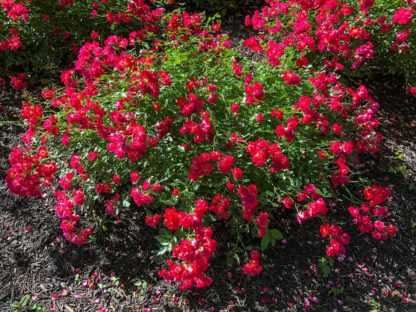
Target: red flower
219 206
288 202
259 152
338 239
171 219
238 173
291 78
134 177
153 221
277 114
366 4
262 223
248 196
376 195
141 198
254 93
225 164
412 90
253 44
253 267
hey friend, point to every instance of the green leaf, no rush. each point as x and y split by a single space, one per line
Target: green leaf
325 266
144 287
162 251
237 258
169 202
164 239
16 305
265 241
38 308
25 300
276 234
326 270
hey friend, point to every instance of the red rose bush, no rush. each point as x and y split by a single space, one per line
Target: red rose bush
199 141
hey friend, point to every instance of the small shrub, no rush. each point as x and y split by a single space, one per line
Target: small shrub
42 37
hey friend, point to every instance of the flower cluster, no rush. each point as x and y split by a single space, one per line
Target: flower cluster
261 150
340 34
193 254
338 239
29 172
364 216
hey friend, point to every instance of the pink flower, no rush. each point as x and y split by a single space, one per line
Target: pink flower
403 16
